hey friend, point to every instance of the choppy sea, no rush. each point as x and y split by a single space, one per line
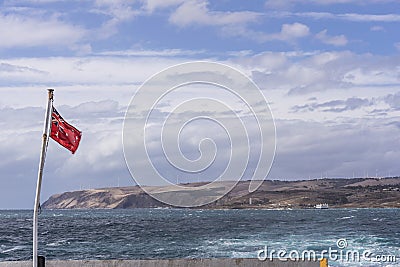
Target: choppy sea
187 233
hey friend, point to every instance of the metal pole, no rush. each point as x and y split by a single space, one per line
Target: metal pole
45 139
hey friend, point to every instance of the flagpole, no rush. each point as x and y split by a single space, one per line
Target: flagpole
45 139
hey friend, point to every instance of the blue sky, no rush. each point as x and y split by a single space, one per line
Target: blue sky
329 69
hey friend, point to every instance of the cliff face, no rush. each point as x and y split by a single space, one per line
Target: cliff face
107 198
359 192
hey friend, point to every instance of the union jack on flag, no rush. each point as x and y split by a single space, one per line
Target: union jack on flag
64 133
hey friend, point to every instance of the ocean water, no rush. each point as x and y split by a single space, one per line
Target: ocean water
187 233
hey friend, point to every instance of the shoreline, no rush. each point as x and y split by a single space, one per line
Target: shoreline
206 209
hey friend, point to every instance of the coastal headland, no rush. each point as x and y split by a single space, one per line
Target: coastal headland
272 194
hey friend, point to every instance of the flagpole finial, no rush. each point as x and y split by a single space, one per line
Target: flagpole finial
50 91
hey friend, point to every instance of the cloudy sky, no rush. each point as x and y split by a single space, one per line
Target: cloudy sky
330 71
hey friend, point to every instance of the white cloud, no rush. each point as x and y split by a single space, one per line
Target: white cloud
100 70
289 33
266 61
393 100
184 14
347 16
312 149
293 31
337 105
118 11
377 28
397 45
329 74
289 4
338 40
197 13
27 31
278 5
377 75
152 53
152 5
13 2
370 17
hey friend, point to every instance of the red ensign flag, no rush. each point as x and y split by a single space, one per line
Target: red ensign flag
64 133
